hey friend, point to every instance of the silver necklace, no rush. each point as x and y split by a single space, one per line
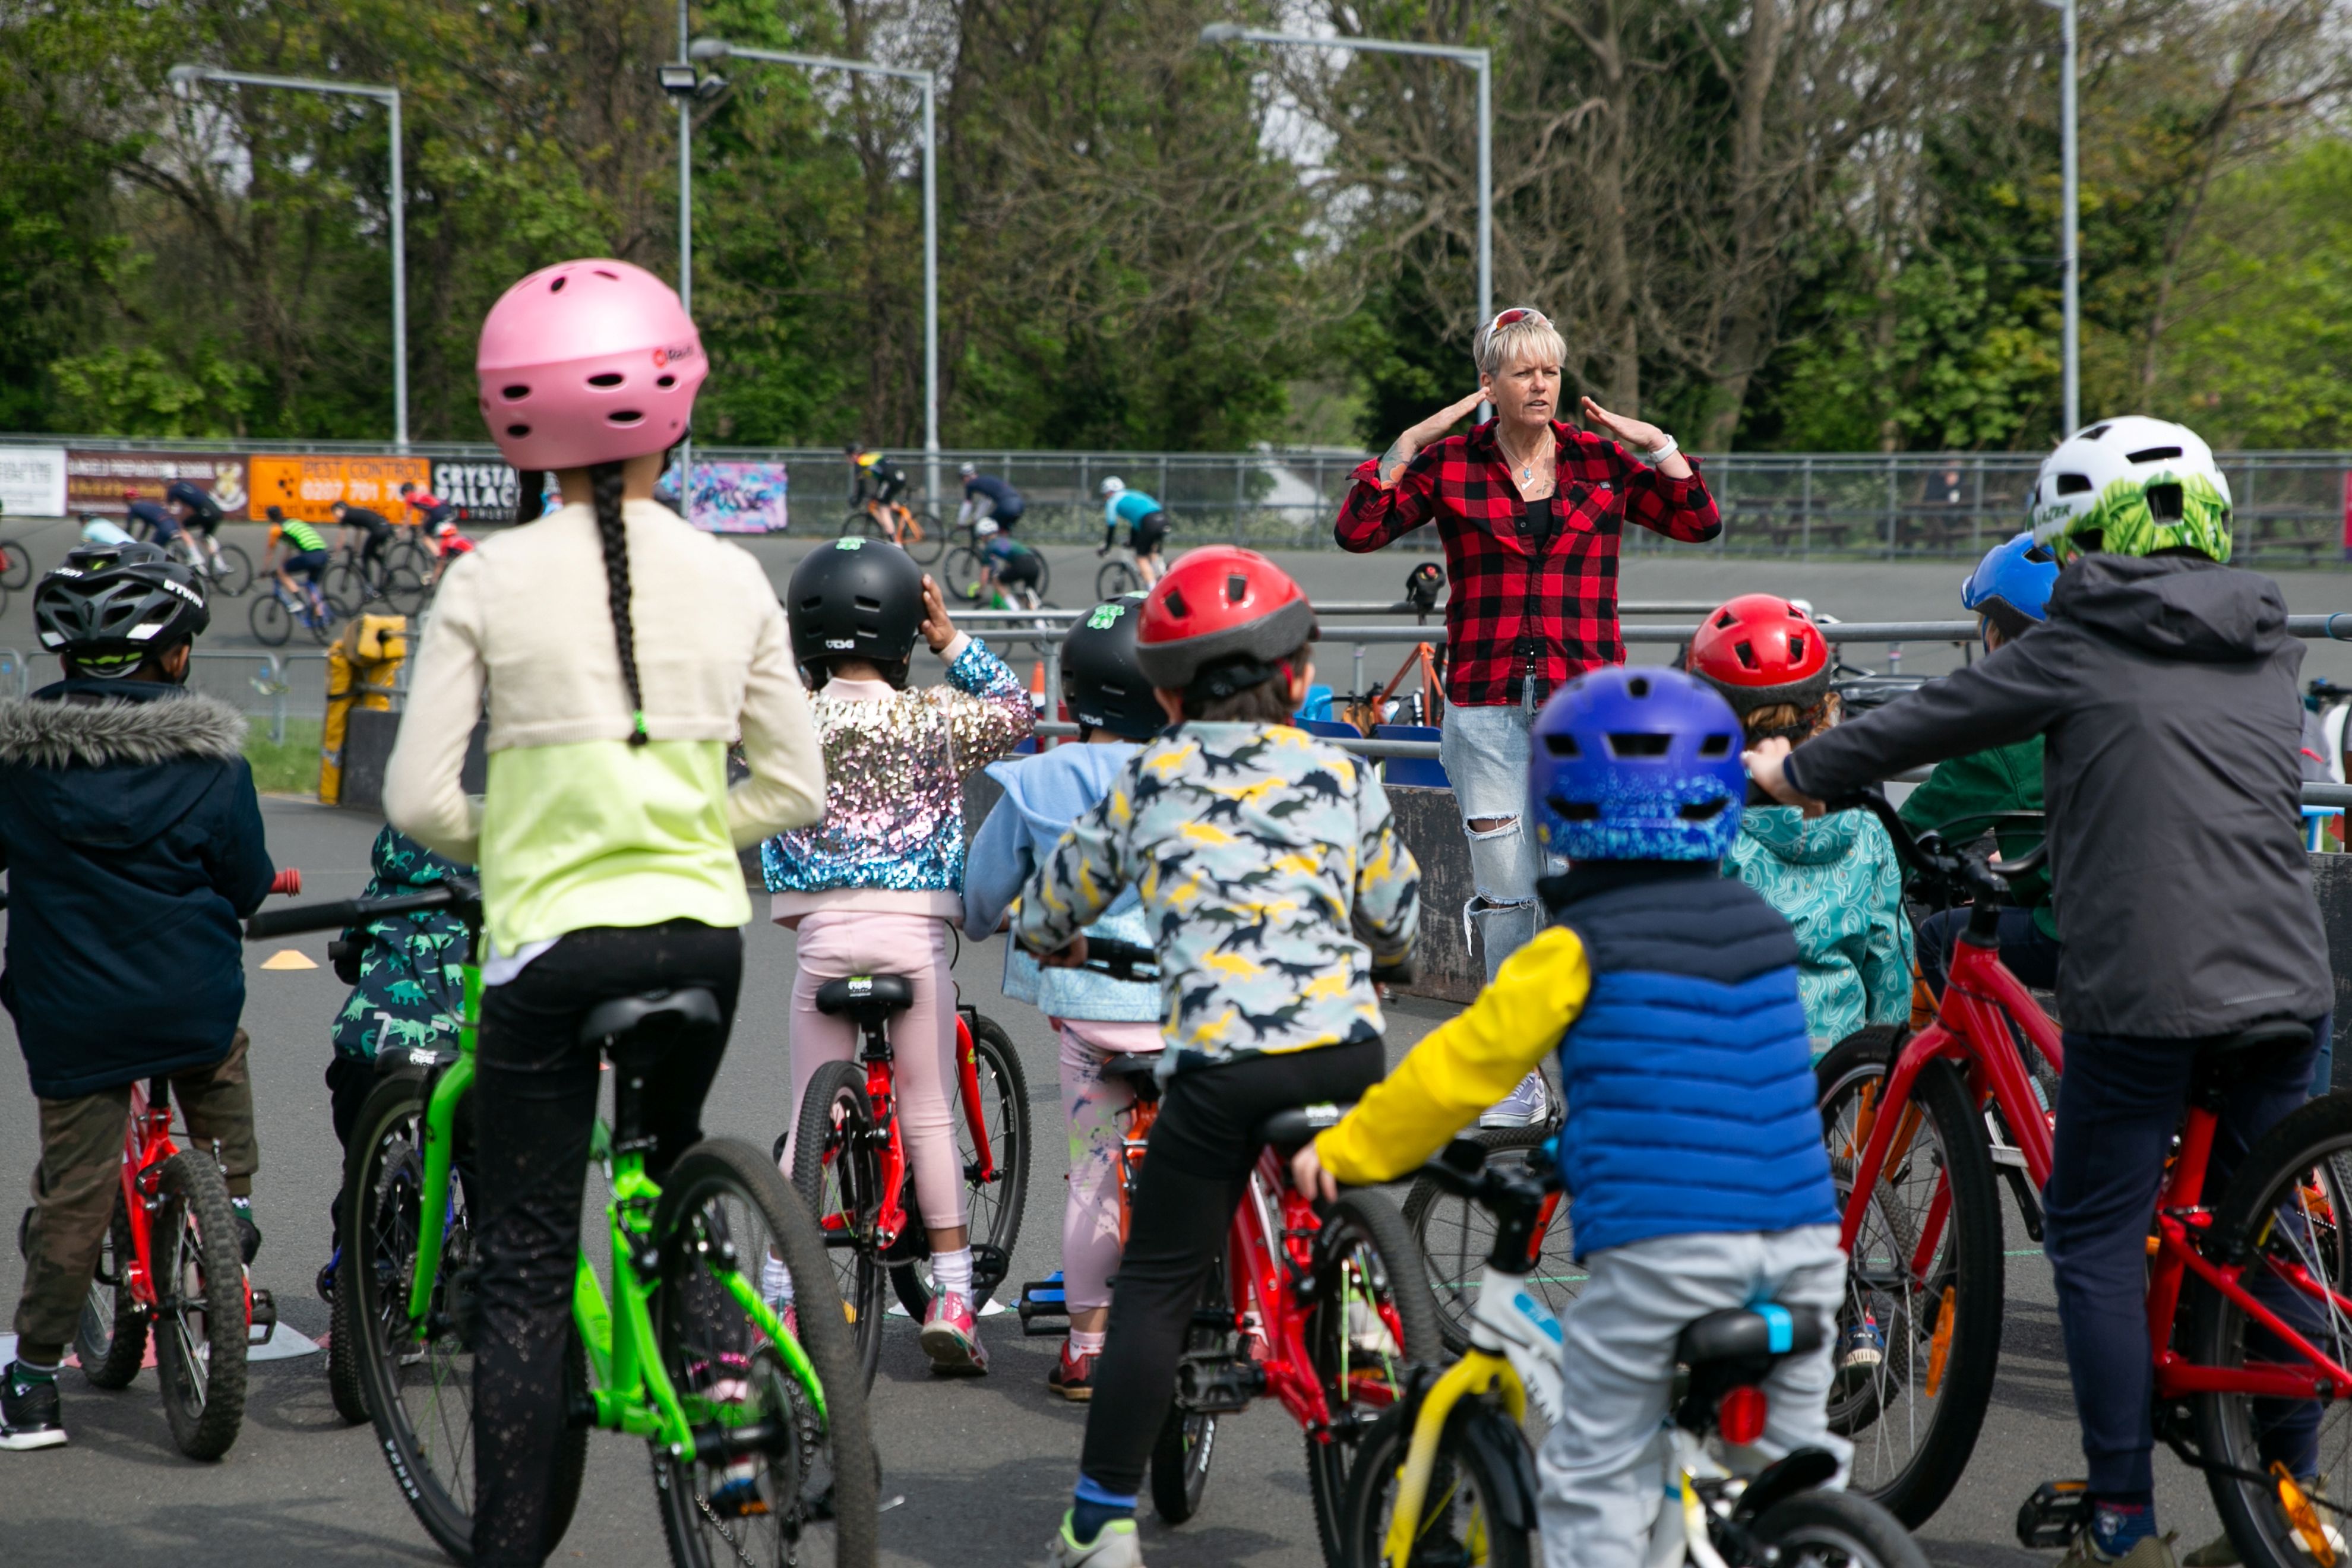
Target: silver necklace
1527 469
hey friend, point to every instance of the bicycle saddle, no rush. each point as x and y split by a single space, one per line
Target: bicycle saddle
869 998
1139 1070
652 1014
1758 1335
1287 1129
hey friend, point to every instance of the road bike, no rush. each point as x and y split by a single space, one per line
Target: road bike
1321 1307
276 614
757 1432
2246 1312
964 570
917 534
1446 1476
1118 576
388 582
850 1167
173 1264
229 572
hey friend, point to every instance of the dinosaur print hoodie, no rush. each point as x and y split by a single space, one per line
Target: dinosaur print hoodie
1271 878
412 979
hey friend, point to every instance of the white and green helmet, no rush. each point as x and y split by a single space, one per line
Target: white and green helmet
2131 486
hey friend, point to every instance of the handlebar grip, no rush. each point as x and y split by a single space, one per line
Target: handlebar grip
288 882
343 913
1403 972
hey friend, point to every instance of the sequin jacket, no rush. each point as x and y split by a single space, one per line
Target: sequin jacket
894 781
1271 875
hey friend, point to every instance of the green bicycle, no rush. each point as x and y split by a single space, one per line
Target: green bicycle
757 1425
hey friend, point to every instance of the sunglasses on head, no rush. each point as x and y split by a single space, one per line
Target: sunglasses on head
1513 317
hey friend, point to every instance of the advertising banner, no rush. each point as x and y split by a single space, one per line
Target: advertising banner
33 481
306 487
95 481
732 497
485 492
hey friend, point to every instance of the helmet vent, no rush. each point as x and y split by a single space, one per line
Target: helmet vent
1716 746
517 431
664 382
624 416
2151 454
1797 648
1636 744
608 378
1638 686
2094 432
872 606
1579 810
514 394
1236 589
1562 746
2040 557
614 276
557 287
1725 619
2073 484
1703 810
1175 605
2164 502
1747 652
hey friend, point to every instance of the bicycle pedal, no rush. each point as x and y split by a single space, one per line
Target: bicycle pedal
1043 1308
1215 1385
2054 1514
263 1322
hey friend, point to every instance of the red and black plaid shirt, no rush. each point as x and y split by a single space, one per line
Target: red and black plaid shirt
1534 583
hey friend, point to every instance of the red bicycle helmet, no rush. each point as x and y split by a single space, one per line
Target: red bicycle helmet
1224 617
1760 649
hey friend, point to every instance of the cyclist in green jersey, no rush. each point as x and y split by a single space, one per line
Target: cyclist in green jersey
304 552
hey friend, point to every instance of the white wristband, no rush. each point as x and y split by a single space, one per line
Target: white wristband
1654 458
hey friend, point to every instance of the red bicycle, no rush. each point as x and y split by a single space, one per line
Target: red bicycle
175 1257
2246 1303
849 1158
1324 1311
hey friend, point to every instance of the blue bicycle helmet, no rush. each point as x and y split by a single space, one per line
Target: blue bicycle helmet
2010 586
1636 764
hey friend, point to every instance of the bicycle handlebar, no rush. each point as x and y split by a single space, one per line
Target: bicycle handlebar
1927 854
287 882
451 894
1122 960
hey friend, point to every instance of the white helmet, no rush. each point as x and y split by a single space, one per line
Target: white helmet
967 470
1113 485
2131 486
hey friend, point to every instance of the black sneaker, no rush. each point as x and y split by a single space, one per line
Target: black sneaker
248 1232
30 1413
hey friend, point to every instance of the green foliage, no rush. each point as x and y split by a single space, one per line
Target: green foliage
138 392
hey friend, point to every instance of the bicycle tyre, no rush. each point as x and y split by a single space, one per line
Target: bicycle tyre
234 574
16 572
836 1134
1452 1236
1114 578
2253 1222
271 621
931 538
1844 1529
844 1491
406 588
1187 1444
110 1341
345 1388
959 575
993 1210
1364 1236
1471 1495
200 1364
863 524
1968 1267
347 588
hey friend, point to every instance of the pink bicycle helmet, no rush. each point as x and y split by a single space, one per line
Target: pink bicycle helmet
588 362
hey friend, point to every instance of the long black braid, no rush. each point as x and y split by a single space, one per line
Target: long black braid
605 480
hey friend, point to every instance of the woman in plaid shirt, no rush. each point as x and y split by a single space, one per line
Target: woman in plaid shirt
1529 511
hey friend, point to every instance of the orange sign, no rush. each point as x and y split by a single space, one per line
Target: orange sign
305 487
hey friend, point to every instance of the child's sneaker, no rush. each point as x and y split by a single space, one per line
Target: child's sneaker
31 1416
248 1234
952 1335
1860 1347
1523 1107
1072 1376
1113 1546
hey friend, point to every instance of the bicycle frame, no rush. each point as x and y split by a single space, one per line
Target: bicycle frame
882 1101
147 1147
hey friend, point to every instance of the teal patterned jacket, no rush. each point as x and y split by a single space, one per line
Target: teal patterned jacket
1272 877
412 967
1836 880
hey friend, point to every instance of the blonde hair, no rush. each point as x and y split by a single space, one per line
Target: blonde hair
1531 336
1789 721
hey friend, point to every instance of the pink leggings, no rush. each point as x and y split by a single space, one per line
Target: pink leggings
1093 1105
837 943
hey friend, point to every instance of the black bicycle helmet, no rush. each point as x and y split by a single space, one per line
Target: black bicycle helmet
855 598
110 605
1102 679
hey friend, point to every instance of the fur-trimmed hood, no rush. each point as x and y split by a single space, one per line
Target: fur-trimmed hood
140 731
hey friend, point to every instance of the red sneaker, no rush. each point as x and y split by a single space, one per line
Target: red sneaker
951 1336
1072 1376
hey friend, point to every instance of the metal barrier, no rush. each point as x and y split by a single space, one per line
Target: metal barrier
14 668
270 680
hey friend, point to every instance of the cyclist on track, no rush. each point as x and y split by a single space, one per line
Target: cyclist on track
1271 867
620 650
1098 1018
1146 525
987 499
2164 684
155 519
1670 991
305 552
134 844
2009 592
431 510
202 518
873 888
370 531
1834 880
873 477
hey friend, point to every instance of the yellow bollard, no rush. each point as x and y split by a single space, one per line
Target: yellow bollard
361 664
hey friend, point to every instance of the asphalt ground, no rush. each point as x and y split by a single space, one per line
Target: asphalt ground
984 1466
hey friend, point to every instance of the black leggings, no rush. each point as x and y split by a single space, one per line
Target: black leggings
1194 1175
534 1103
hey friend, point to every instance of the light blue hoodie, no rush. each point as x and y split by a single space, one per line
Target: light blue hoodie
1042 795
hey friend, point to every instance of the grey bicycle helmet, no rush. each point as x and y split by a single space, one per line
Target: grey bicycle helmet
1102 679
855 598
110 605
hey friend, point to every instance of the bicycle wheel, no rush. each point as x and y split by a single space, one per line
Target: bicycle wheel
1454 1234
111 1341
320 623
1187 1443
992 1208
959 577
1482 1481
2285 1211
863 524
1370 1316
347 588
1835 1529
233 574
837 1171
272 622
407 588
15 565
925 539
1915 1413
809 1494
200 1327
1117 577
345 1384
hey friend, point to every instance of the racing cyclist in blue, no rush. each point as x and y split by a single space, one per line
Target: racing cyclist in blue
1146 525
161 527
992 507
201 516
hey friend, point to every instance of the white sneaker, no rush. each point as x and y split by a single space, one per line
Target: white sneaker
775 1285
1524 1107
1116 1547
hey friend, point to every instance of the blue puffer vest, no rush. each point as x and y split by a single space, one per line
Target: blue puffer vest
1689 1075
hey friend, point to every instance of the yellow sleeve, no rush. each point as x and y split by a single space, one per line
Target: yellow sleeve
1463 1065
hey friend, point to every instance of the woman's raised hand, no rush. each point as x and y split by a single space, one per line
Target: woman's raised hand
1408 445
1633 435
938 629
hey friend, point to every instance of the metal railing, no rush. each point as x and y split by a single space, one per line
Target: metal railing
270 682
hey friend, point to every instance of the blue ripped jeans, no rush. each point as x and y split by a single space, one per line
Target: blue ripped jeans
1484 753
